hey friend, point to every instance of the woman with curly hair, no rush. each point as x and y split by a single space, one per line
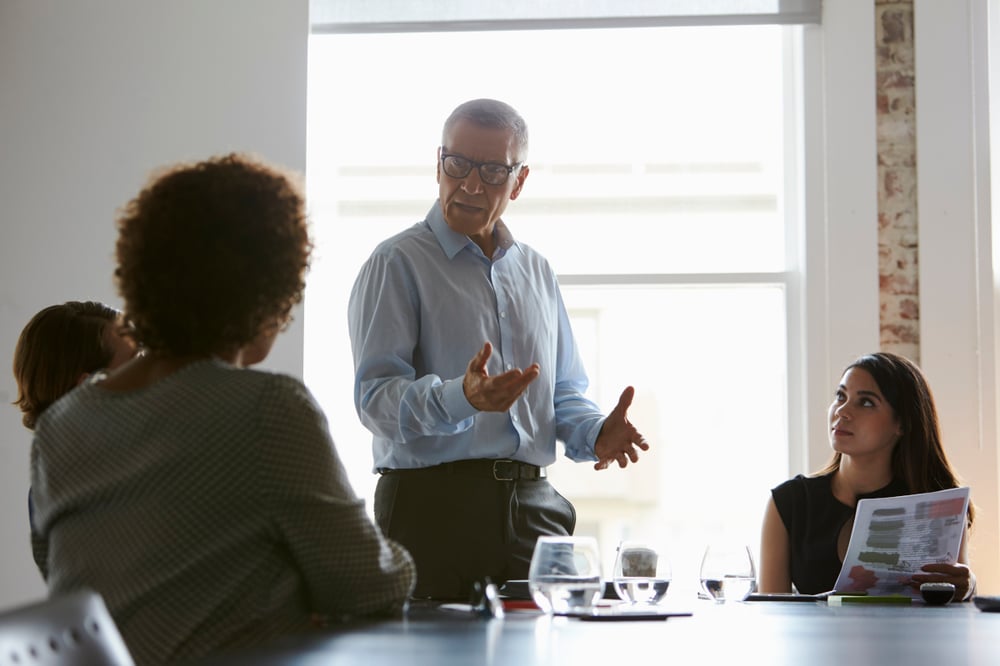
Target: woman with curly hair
886 440
203 499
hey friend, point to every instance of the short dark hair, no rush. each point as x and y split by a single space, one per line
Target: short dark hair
491 113
58 345
210 252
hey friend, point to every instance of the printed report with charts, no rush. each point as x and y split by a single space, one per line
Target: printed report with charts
894 536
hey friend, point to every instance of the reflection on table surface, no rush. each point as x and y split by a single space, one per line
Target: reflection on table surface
771 632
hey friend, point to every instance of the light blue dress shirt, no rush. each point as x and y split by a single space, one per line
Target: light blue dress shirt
422 306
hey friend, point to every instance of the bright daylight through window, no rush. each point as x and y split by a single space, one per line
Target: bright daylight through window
658 192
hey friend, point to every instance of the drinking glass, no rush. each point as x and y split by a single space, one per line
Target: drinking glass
565 574
728 572
642 572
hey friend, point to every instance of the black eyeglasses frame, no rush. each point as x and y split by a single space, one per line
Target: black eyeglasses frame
473 164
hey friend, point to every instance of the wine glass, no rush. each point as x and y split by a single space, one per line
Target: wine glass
728 572
565 574
642 572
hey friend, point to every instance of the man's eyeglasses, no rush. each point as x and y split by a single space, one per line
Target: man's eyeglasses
491 173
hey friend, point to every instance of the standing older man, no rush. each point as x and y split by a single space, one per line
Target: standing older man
462 445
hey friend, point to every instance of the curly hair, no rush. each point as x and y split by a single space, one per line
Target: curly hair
918 457
210 252
58 345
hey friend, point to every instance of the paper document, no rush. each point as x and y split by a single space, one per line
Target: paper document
894 536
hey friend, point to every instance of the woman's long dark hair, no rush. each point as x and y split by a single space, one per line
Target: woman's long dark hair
918 458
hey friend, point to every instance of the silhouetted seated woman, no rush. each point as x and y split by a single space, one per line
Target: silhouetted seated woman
205 500
58 349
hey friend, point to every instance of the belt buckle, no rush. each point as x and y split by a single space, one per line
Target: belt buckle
496 474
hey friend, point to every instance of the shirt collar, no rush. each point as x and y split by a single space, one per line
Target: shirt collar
453 242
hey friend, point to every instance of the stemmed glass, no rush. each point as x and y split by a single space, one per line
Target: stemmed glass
642 572
565 574
728 572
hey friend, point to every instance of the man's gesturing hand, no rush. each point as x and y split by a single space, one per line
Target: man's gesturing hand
618 438
494 394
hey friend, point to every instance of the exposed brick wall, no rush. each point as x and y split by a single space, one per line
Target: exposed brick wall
899 297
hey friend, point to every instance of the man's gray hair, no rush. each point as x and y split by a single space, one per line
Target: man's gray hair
491 113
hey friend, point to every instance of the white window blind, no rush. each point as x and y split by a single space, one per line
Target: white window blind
358 16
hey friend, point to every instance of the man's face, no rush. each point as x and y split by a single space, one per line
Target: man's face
470 206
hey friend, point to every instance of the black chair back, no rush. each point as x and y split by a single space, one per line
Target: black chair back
71 630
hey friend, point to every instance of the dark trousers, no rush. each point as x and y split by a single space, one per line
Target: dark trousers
462 527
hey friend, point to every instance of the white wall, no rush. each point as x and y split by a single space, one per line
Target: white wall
840 249
958 303
93 95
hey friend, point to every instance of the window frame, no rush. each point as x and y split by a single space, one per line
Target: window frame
835 289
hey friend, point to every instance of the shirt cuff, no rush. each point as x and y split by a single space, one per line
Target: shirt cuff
454 401
582 449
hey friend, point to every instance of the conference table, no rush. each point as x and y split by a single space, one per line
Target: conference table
754 632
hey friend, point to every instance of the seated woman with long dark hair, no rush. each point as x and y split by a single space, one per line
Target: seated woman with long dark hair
886 442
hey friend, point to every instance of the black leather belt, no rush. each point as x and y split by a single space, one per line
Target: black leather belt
498 470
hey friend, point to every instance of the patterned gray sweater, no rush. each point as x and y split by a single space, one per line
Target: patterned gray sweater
210 509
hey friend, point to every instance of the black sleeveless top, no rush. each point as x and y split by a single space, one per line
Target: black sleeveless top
814 518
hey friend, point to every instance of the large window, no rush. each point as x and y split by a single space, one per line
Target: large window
661 163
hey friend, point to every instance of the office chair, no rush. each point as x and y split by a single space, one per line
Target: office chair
71 630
